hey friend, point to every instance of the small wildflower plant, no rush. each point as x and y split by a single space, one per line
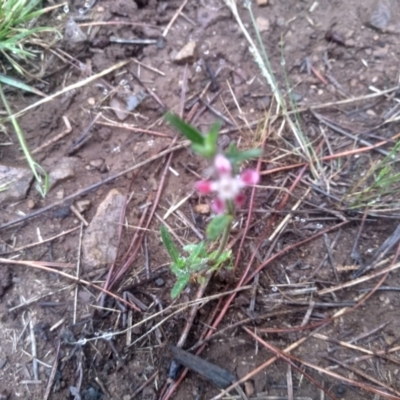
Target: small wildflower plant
228 186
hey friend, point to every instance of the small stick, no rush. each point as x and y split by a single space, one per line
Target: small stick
146 256
325 257
355 255
42 266
359 280
131 128
95 185
143 385
345 133
364 375
217 113
214 84
34 350
84 137
308 313
65 132
53 372
289 381
165 33
330 256
78 215
71 87
78 273
28 246
149 67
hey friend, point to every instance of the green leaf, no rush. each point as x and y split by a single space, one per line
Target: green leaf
217 226
224 256
236 157
185 129
195 251
19 85
169 245
180 284
179 269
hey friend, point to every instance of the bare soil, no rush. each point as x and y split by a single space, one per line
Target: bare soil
330 53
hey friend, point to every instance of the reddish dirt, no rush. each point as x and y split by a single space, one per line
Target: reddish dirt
359 57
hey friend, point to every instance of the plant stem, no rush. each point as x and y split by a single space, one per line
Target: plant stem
225 235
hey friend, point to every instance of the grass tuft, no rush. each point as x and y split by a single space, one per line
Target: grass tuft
17 19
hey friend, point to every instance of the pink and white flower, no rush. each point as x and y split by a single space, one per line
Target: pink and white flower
228 186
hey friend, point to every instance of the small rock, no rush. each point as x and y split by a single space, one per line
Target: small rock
60 194
97 163
31 204
203 209
100 240
280 21
381 15
63 169
14 183
159 282
296 97
91 101
119 109
187 54
262 2
381 52
263 103
73 33
262 24
248 388
83 205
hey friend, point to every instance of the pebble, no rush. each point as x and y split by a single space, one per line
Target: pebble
159 282
280 21
380 52
381 15
60 194
100 240
203 209
31 204
262 3
248 388
91 101
262 24
15 181
62 170
119 109
187 54
97 163
263 103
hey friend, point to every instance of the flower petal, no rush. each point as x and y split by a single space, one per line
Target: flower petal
218 206
204 187
222 164
240 199
250 177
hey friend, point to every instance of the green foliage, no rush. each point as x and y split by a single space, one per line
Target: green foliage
185 129
382 184
169 244
236 156
217 225
204 145
196 264
42 179
16 18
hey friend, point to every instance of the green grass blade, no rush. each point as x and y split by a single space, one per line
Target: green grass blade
7 80
169 244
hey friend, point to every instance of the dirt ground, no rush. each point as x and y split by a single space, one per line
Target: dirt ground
330 52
